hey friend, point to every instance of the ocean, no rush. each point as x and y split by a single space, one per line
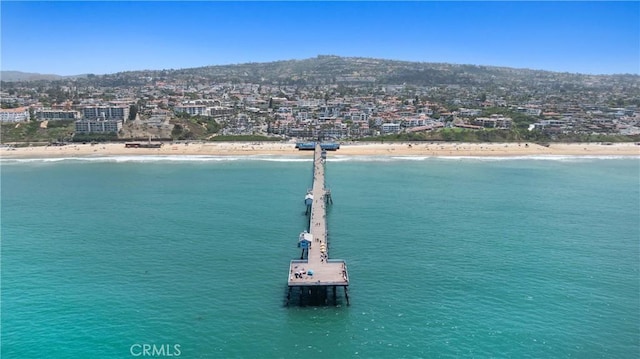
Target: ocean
533 257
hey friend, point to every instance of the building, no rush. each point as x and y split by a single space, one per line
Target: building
106 113
530 111
358 116
414 122
544 124
220 110
85 126
390 127
191 109
469 112
5 98
19 114
334 132
495 121
53 115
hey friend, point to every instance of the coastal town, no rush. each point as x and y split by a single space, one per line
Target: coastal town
279 101
319 179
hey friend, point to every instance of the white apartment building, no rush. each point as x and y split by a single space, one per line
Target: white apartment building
493 122
414 122
53 115
106 113
191 109
390 127
98 126
19 114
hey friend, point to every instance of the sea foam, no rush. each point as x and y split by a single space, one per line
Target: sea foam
335 158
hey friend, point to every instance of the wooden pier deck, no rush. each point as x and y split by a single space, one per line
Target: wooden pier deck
325 272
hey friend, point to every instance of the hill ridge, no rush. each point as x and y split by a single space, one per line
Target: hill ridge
333 69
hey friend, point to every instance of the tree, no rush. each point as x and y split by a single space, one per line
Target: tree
9 105
133 112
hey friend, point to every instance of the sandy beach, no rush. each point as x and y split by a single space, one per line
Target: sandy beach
435 149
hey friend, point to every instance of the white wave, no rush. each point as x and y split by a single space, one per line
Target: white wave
340 158
282 159
412 158
160 158
335 158
559 158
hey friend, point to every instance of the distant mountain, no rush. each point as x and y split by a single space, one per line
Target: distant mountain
330 69
13 76
334 70
26 76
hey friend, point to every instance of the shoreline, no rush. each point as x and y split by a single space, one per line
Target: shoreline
409 149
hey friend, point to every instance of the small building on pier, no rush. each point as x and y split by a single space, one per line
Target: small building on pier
314 273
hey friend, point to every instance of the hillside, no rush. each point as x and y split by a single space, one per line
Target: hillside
328 69
26 76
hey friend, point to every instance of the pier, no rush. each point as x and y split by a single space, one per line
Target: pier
315 273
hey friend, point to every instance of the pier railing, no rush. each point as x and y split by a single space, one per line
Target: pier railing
315 272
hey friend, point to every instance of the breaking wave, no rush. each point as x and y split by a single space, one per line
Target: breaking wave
335 158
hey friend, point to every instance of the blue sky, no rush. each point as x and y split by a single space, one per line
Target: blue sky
68 38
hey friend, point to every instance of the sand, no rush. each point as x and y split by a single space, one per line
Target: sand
435 149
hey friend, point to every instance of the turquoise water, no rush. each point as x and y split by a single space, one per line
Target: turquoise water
521 258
